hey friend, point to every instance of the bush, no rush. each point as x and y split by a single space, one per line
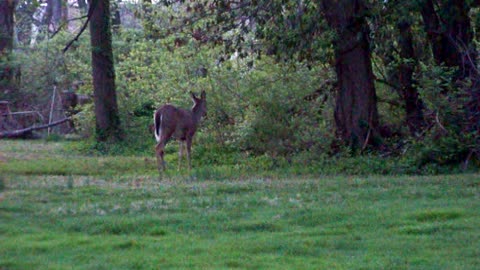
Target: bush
450 139
260 110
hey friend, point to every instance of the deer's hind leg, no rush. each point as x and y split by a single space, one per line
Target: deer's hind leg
159 152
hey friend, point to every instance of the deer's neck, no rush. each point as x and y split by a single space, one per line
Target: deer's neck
196 115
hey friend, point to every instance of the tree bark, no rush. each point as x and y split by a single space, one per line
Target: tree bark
53 15
413 104
27 132
356 115
105 99
64 13
116 20
451 35
432 27
82 4
7 9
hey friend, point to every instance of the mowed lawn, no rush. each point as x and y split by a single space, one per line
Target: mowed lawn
132 220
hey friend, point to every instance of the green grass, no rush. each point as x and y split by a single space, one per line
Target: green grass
61 210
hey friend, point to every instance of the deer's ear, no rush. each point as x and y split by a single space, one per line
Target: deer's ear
203 95
193 95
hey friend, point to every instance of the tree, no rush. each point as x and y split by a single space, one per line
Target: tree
116 20
24 18
56 14
395 45
356 115
103 73
82 4
404 75
293 30
450 33
7 9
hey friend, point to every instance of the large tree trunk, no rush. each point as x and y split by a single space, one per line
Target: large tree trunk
7 9
105 99
356 115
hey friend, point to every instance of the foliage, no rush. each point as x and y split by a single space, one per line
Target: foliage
254 104
44 67
2 184
447 141
270 84
280 119
88 158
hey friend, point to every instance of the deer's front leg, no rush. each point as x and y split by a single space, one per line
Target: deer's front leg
181 153
189 149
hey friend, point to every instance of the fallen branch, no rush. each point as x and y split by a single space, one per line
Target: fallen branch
440 124
26 131
24 112
365 143
467 160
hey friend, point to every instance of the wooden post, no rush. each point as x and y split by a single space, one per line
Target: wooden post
51 108
5 110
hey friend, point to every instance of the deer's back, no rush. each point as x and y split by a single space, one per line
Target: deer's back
176 121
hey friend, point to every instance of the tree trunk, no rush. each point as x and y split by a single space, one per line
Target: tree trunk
116 20
23 21
460 37
432 27
105 99
149 29
356 115
82 4
53 15
451 35
146 20
64 13
413 104
7 9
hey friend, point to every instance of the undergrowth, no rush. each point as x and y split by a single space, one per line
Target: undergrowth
91 158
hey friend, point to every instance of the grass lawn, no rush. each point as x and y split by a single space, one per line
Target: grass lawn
61 210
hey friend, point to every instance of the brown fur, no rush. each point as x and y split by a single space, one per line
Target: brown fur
180 124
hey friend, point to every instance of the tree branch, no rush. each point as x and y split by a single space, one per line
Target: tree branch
93 4
64 24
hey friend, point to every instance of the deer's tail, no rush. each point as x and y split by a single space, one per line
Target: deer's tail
157 120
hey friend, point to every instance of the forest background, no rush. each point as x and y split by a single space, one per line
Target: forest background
354 86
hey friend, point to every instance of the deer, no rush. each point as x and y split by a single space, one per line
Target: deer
180 124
